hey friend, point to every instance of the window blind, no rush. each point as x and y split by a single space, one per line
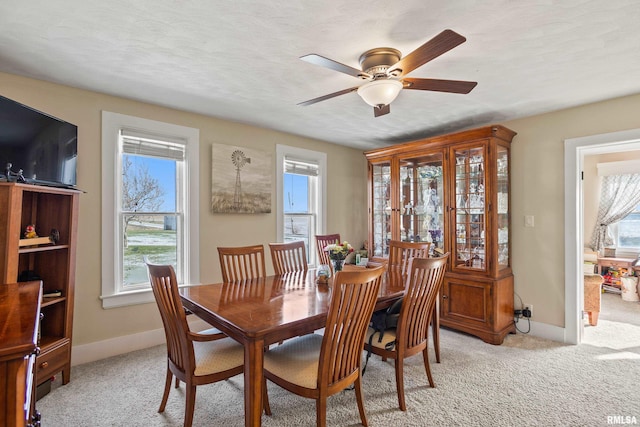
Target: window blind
134 142
300 167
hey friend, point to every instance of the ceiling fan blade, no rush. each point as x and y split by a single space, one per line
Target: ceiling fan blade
454 86
382 110
442 43
329 96
312 58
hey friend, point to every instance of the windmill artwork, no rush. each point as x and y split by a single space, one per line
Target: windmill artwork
240 180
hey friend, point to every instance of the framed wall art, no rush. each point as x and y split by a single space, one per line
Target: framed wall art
240 180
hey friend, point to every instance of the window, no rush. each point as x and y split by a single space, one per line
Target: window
147 211
301 196
627 231
618 215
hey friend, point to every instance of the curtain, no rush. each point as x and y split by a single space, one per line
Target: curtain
620 196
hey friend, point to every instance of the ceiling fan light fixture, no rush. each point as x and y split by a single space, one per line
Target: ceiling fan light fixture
380 92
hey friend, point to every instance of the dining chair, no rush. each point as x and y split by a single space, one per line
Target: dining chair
399 255
288 257
194 358
401 252
411 336
318 366
322 240
242 263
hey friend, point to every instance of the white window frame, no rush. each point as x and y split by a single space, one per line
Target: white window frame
320 198
113 295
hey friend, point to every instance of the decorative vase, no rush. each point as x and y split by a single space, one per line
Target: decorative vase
337 265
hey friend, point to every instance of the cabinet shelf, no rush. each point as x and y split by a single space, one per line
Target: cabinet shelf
46 302
29 250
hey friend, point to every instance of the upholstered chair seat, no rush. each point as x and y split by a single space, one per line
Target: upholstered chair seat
296 360
217 356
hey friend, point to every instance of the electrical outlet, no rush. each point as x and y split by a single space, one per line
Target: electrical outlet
529 308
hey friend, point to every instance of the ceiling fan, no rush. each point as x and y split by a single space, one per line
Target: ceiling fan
384 70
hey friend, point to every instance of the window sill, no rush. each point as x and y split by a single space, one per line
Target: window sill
123 299
140 296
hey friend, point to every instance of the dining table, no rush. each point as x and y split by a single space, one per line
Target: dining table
264 311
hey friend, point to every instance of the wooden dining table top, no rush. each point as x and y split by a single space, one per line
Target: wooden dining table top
274 306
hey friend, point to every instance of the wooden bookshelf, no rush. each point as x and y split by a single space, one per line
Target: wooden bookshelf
40 259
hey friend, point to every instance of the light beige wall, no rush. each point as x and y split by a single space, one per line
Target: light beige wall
592 183
538 189
346 179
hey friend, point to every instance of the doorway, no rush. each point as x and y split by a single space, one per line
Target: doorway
574 153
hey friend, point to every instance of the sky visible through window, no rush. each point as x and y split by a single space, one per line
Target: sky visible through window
165 172
296 193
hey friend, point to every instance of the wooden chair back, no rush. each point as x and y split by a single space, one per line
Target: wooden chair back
165 290
353 297
401 252
424 282
322 240
288 257
242 263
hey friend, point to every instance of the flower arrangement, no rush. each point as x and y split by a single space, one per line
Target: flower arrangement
338 251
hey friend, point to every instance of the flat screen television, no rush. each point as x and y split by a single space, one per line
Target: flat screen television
43 147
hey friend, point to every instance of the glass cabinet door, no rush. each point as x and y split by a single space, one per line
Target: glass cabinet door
381 209
502 191
469 219
422 200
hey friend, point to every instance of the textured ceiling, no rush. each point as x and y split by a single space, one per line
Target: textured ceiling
238 60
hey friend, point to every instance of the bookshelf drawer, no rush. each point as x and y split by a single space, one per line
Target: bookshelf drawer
51 361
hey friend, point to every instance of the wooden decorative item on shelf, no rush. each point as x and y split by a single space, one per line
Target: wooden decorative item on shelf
52 263
34 242
454 192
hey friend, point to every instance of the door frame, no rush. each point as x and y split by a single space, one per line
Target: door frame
575 149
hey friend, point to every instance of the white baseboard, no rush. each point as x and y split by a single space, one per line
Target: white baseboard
91 352
544 330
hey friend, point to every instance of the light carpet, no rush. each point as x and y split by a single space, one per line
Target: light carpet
527 381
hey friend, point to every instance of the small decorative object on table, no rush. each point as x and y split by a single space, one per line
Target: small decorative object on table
322 274
337 253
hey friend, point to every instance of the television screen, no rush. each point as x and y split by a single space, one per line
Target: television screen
43 147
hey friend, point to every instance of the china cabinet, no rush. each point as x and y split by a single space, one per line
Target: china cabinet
54 212
453 191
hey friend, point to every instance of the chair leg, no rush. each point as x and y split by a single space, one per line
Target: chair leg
435 326
425 356
400 383
265 397
321 411
167 388
358 387
177 383
191 403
